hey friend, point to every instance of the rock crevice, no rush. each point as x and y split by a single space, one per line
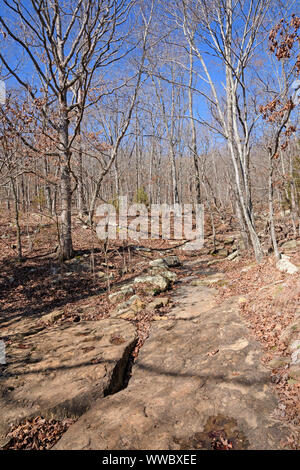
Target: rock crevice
61 372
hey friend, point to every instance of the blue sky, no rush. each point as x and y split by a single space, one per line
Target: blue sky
17 58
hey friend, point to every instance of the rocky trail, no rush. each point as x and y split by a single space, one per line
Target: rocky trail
197 374
197 383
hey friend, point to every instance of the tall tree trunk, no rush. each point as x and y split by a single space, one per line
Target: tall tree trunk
193 129
16 207
237 152
47 188
66 246
271 206
82 209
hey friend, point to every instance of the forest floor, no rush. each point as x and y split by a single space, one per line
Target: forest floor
79 290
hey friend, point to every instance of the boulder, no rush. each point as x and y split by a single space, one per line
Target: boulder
168 261
172 261
127 289
120 295
116 297
78 265
126 315
128 309
156 284
163 272
284 265
156 263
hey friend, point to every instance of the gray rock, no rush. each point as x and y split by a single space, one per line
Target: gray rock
233 255
168 261
116 297
156 283
284 265
157 262
77 265
172 261
163 272
104 276
127 289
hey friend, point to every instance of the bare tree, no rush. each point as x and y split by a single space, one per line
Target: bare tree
74 39
228 31
115 139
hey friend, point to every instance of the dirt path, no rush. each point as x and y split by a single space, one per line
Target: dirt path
198 383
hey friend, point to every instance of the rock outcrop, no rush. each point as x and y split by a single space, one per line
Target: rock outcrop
60 372
197 371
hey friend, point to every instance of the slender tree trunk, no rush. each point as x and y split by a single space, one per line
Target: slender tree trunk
271 206
81 199
65 187
193 129
16 207
47 188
